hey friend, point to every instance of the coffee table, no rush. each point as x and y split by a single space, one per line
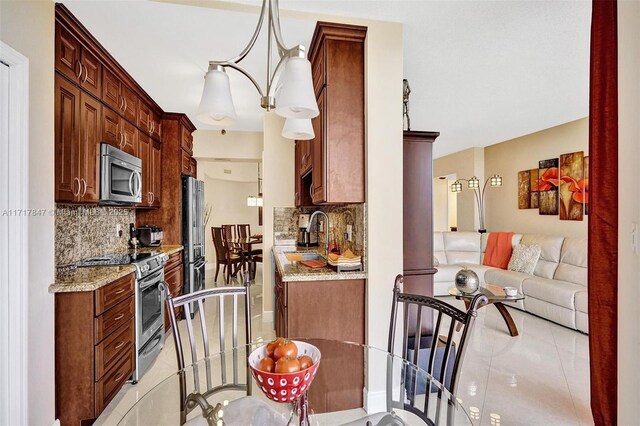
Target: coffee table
496 296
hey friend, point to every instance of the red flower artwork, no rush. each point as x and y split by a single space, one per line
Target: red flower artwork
580 189
549 179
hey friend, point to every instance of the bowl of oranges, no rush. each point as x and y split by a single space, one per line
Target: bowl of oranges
284 369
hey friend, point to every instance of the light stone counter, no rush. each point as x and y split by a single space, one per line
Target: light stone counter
295 271
92 278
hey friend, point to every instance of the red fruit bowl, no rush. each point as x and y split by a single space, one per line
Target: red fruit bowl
285 387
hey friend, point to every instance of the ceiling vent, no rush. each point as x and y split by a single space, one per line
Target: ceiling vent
227 171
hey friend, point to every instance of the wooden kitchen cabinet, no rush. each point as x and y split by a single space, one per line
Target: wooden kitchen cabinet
118 132
76 62
95 348
173 275
77 140
336 154
175 163
155 178
332 310
149 151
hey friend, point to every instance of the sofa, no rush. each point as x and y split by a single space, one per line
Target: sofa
556 291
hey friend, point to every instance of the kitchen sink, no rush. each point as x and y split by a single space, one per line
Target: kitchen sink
304 255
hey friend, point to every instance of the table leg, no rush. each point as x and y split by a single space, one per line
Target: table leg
506 316
467 303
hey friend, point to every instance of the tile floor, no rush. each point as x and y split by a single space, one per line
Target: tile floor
538 378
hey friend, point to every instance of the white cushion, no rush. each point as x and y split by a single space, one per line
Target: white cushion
559 293
582 302
438 248
447 273
481 270
573 261
505 278
524 258
550 254
555 313
462 247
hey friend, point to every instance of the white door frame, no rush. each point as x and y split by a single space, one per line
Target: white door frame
14 202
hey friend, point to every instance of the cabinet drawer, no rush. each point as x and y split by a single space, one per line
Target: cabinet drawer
113 319
174 261
113 347
186 140
110 384
114 293
186 162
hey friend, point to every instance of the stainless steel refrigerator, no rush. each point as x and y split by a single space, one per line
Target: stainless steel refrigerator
193 235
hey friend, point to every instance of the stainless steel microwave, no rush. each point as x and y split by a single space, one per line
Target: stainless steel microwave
120 177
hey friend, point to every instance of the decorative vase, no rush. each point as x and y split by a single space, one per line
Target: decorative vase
467 281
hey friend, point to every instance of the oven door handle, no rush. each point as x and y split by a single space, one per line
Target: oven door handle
151 345
151 280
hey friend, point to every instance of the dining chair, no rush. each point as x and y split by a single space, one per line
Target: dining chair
228 258
449 337
198 330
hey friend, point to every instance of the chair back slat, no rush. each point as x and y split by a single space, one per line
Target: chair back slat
244 230
199 299
446 352
218 242
434 341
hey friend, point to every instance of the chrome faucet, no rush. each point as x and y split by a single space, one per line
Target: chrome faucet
326 239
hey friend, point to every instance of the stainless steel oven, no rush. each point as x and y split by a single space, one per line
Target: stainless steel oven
120 177
149 320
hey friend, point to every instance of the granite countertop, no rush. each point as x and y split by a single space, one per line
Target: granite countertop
92 278
295 271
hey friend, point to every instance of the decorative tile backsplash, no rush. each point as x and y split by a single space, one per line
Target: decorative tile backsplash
83 232
285 225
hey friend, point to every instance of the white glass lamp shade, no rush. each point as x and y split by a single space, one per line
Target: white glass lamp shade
456 187
299 129
474 183
216 105
296 98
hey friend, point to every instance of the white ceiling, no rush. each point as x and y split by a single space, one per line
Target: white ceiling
481 72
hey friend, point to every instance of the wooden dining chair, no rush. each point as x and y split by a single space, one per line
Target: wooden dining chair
252 257
203 381
228 258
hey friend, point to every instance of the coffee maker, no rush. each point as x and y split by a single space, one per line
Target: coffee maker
305 238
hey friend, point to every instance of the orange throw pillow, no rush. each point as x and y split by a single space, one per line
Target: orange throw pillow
498 250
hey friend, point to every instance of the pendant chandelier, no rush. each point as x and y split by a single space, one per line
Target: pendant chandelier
289 92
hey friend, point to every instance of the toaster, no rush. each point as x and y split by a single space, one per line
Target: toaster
150 235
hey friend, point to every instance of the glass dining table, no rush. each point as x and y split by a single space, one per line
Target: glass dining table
354 384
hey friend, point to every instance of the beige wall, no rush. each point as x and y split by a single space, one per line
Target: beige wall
278 191
463 164
28 27
228 202
510 157
628 210
237 145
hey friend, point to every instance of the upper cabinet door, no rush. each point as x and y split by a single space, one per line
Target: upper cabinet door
155 177
156 125
144 145
111 133
67 128
111 90
318 187
67 53
129 138
144 118
91 75
130 111
89 165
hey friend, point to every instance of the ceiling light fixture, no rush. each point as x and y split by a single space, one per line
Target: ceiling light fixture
291 79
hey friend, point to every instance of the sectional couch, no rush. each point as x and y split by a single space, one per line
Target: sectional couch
557 290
